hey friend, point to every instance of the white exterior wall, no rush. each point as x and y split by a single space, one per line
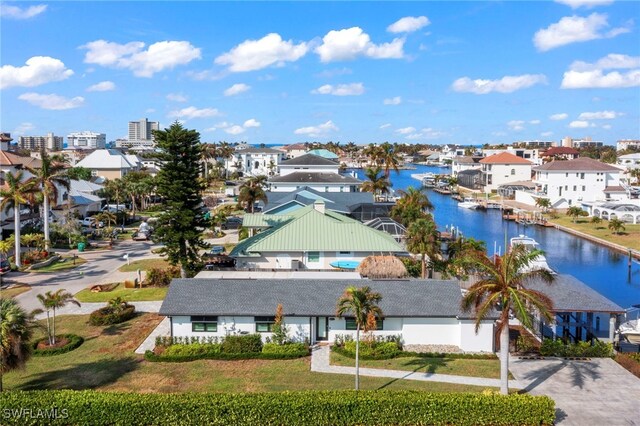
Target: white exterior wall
279 260
320 187
293 153
287 170
501 174
437 331
576 186
248 161
480 342
299 328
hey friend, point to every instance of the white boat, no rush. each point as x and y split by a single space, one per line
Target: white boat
540 262
630 328
469 203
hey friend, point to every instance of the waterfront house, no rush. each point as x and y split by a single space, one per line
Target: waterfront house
312 237
252 161
420 312
319 173
463 163
295 150
560 153
503 168
572 182
110 163
629 161
531 154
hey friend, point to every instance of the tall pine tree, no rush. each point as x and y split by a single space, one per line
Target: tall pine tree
182 222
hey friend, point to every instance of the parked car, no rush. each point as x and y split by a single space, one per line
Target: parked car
5 266
91 222
218 261
141 236
232 223
217 250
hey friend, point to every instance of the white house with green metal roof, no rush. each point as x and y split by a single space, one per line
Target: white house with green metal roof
309 238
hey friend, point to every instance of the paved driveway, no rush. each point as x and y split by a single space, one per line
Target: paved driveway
596 392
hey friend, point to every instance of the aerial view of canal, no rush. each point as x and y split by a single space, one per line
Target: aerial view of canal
603 269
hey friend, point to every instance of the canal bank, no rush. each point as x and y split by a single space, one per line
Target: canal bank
617 247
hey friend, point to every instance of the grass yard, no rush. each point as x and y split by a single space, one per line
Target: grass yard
15 290
106 361
630 237
145 264
489 368
61 265
128 294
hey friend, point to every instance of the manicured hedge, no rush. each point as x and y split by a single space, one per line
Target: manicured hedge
403 354
109 316
599 349
297 349
74 342
150 356
286 408
241 344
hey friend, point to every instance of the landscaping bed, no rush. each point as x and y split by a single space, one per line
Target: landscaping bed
630 361
64 343
290 408
119 290
110 315
60 265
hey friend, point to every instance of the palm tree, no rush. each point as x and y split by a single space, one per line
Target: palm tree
46 304
16 193
55 300
359 302
503 284
575 212
543 203
389 158
16 330
616 225
252 190
209 152
422 238
115 189
458 252
377 182
117 304
412 205
48 178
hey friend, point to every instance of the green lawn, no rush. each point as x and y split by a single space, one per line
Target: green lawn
630 237
62 264
15 290
145 265
128 294
106 361
489 368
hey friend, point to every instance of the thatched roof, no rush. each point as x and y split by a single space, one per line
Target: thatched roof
382 267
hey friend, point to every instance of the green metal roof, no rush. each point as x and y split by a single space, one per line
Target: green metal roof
309 230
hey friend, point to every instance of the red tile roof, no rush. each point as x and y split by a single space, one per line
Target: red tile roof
560 150
10 159
504 158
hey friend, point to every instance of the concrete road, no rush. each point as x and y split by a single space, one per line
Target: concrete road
595 392
101 267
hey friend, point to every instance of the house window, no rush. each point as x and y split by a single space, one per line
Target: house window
584 188
313 257
264 324
513 172
201 324
581 175
575 188
351 324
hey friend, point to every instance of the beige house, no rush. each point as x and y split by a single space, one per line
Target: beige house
503 168
110 163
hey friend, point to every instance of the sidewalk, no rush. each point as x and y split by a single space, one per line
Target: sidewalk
87 308
320 364
163 329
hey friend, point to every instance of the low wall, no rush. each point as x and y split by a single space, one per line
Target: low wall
47 262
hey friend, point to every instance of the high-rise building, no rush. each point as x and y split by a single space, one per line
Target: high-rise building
35 143
140 135
535 144
623 144
569 142
86 140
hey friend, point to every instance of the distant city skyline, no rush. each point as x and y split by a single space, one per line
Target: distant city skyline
465 73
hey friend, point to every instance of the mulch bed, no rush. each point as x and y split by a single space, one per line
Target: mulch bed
60 342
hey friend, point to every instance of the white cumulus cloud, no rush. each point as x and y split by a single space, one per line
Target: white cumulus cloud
15 12
579 124
516 125
534 122
351 89
317 131
599 115
396 100
506 84
252 122
103 86
23 128
588 4
36 71
350 43
193 112
583 75
157 57
236 89
406 130
235 130
252 55
52 101
574 29
408 24
177 97
546 134
386 125
559 116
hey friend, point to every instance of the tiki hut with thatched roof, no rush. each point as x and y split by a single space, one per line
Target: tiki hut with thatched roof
382 267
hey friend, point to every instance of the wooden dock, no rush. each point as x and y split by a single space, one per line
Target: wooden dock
442 191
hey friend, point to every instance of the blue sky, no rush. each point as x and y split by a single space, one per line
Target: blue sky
263 72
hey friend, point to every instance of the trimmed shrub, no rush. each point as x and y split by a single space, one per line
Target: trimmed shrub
403 354
286 408
373 349
74 342
557 348
247 343
152 357
294 349
160 277
195 349
110 316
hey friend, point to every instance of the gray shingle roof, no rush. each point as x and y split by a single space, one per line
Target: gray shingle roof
257 150
309 160
572 295
300 297
303 177
580 164
336 201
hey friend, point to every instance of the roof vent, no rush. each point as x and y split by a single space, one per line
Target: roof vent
318 206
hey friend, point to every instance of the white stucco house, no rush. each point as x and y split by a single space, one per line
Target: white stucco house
253 161
420 312
629 161
503 168
110 163
463 163
316 172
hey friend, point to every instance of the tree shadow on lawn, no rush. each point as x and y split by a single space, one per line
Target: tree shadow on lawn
431 365
83 376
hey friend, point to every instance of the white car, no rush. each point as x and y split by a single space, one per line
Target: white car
91 222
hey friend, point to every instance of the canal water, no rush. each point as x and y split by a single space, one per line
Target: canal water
603 269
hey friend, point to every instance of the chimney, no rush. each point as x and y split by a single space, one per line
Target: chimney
318 206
